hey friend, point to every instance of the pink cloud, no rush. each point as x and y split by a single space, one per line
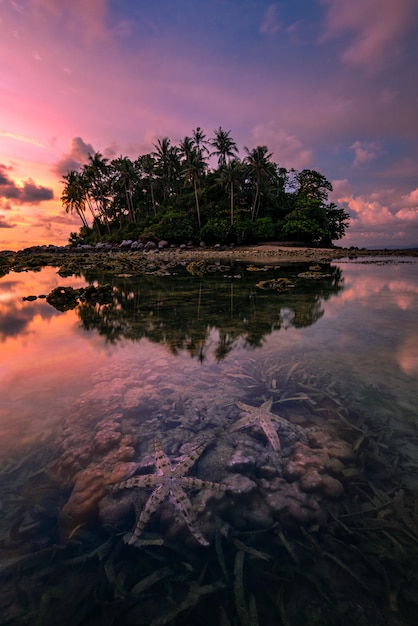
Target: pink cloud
364 152
287 149
88 19
379 220
411 199
376 27
271 23
76 156
5 223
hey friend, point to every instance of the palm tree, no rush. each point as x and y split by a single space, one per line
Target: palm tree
193 171
230 176
73 198
186 148
148 164
96 173
126 176
260 170
168 164
224 145
199 139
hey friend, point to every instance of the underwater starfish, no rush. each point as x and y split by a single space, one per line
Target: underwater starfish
262 416
168 483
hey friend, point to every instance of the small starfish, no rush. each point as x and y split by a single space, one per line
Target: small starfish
262 416
168 483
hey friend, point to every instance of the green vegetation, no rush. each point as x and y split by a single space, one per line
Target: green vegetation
174 194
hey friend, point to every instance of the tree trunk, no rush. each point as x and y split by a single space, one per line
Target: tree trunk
197 204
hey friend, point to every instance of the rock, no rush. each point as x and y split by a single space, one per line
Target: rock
331 487
82 505
105 440
126 244
150 245
113 511
162 244
240 462
64 298
121 472
239 484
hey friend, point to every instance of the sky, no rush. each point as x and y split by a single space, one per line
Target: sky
329 85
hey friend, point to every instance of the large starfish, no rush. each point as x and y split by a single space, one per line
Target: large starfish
168 483
262 416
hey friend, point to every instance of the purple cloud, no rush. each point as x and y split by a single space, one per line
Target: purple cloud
28 193
76 156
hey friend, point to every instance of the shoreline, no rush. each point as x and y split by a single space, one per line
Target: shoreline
111 259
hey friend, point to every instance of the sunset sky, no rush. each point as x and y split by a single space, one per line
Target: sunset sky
325 84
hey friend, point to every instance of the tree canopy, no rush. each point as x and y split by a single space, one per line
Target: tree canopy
174 193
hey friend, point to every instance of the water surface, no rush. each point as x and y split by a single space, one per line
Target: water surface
169 357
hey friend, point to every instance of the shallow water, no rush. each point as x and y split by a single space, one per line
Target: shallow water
169 358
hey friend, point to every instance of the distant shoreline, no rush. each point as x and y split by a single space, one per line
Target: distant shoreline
268 253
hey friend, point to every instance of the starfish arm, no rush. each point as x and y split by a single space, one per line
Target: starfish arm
183 466
245 422
144 480
152 504
271 434
190 482
249 408
162 461
184 506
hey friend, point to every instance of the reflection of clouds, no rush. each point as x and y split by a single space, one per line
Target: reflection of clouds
363 283
407 356
15 318
14 321
7 289
18 317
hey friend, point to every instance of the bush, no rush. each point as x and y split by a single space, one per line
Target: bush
264 228
216 230
175 227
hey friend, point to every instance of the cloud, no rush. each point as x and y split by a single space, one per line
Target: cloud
287 149
364 152
375 29
270 23
22 138
76 156
5 224
27 193
410 199
379 218
76 16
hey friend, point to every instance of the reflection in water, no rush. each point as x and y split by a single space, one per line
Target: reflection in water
327 516
183 312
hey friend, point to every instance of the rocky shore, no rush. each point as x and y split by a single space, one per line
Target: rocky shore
131 256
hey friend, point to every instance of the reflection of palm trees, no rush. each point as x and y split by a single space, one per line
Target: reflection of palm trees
211 315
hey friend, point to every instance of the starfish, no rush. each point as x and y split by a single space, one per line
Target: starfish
168 483
262 416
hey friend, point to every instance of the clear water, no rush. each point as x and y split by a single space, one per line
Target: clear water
86 392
